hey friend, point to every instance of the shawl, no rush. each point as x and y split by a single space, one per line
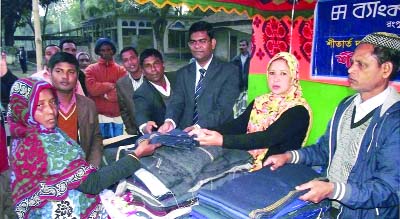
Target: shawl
46 164
82 53
269 107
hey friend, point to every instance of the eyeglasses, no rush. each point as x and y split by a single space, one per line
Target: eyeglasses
149 66
200 42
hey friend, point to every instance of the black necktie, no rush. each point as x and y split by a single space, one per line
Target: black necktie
196 95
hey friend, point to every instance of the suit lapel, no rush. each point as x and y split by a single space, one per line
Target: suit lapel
212 70
128 87
191 80
157 95
82 112
171 76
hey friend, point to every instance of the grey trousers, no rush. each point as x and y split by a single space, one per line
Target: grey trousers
6 203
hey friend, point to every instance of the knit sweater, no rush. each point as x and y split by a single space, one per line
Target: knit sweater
372 188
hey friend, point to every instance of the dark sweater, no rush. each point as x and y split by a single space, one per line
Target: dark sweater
82 78
6 83
108 175
286 133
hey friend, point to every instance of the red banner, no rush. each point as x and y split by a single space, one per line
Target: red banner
273 35
275 5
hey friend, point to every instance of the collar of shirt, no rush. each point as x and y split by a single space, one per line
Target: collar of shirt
160 89
66 108
198 67
135 83
243 58
363 108
43 75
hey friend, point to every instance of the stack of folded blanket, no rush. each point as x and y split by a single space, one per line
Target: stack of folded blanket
261 194
166 186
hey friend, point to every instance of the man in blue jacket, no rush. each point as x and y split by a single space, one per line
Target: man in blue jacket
361 146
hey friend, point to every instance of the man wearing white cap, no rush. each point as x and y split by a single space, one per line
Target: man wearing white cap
361 147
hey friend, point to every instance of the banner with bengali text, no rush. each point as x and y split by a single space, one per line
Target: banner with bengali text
339 27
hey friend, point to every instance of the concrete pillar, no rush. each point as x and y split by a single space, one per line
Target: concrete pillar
119 35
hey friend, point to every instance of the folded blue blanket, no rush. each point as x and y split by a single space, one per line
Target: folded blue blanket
202 212
263 194
175 138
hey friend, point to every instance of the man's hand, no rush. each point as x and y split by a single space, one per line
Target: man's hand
319 190
277 160
145 148
111 95
149 127
190 128
207 137
110 85
166 127
3 64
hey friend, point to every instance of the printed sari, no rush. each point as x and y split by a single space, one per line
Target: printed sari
47 166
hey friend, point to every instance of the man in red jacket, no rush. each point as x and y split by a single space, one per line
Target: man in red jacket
101 79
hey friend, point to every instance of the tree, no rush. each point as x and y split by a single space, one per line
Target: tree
12 12
18 13
160 22
159 26
82 9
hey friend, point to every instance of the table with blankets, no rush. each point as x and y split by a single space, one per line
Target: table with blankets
184 180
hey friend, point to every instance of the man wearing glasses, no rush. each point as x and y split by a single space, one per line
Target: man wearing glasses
206 89
152 96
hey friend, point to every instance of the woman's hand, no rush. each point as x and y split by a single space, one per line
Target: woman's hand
207 137
145 148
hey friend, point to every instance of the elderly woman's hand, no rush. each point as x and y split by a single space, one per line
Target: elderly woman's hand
145 148
207 137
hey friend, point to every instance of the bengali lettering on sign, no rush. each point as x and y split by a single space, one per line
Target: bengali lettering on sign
339 28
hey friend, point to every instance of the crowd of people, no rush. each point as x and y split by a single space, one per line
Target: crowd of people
58 118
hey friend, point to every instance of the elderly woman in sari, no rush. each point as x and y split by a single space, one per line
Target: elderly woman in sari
50 177
273 123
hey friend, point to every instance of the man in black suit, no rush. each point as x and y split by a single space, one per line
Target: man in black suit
22 59
151 97
211 103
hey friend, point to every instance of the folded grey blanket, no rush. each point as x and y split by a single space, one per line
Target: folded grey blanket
183 172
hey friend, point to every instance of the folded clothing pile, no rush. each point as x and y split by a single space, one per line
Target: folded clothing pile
261 194
170 178
175 138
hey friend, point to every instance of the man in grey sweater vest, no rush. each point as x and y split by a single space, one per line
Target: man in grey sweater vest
361 147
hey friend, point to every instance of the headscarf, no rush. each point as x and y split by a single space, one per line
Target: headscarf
82 53
46 164
269 107
24 96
